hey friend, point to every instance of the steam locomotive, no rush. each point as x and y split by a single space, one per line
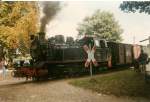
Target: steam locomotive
55 57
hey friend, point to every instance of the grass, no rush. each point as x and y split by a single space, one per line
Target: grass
121 83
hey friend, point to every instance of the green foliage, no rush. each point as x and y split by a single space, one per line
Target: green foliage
103 25
136 6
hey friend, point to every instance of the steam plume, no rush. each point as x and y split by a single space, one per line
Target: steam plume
50 9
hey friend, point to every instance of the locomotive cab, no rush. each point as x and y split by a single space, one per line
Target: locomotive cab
101 43
102 51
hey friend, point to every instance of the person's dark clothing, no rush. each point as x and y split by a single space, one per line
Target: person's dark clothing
143 58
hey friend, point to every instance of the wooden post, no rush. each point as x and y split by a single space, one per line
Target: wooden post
91 69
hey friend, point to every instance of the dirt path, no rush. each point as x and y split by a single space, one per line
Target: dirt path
53 91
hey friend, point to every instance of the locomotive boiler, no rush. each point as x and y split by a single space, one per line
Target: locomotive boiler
60 57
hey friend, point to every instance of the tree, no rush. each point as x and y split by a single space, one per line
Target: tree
136 6
102 24
17 21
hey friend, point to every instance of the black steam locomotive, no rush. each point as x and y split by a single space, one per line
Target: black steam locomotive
55 57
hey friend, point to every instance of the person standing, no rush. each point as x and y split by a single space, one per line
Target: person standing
143 59
2 65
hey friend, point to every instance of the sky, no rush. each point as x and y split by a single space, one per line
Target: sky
135 25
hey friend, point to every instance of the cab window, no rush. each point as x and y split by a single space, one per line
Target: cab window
97 43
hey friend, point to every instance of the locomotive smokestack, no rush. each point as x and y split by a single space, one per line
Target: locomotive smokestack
50 9
41 36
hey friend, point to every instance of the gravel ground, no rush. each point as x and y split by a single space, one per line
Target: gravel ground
14 90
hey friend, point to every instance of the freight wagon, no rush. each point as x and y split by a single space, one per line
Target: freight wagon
122 54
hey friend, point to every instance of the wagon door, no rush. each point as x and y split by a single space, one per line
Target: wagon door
121 53
128 53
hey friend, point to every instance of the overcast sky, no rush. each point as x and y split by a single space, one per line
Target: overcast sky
134 24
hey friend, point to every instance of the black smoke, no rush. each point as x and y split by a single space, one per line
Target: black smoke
50 9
